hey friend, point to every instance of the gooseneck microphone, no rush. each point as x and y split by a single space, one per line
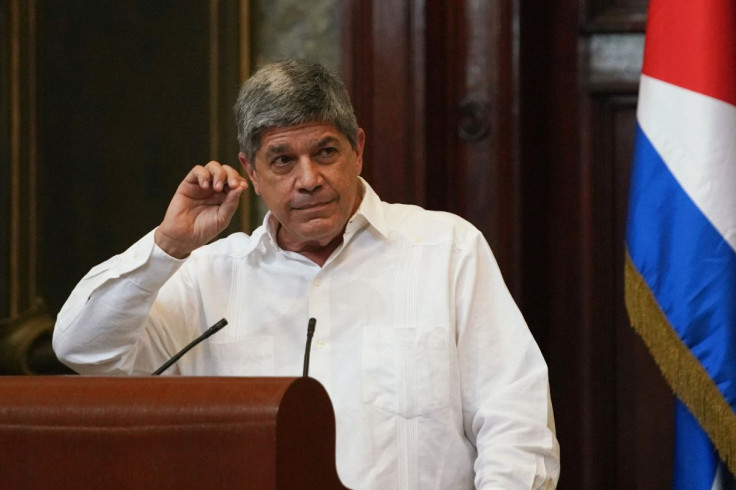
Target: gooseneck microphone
213 329
310 333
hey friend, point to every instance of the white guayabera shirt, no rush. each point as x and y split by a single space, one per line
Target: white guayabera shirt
435 378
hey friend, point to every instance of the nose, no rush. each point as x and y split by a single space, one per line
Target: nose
309 176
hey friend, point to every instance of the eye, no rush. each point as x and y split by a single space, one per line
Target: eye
326 153
281 161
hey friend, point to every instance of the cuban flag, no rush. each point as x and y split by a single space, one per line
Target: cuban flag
681 230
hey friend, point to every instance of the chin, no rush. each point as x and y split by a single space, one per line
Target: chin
319 232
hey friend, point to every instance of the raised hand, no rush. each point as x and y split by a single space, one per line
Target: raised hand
201 208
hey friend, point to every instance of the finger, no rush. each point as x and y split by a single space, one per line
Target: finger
218 175
195 175
230 204
200 176
234 179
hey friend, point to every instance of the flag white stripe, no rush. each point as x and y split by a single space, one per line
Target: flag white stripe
696 137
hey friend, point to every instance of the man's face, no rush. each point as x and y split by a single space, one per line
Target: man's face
308 177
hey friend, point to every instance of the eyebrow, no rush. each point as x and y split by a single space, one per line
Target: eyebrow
276 149
327 140
286 148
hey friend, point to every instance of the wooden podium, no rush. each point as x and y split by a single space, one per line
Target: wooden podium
75 432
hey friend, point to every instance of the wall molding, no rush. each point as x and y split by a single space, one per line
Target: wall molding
24 321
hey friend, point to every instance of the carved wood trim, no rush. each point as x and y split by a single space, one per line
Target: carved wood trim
229 66
25 343
383 68
608 16
214 80
23 212
247 206
22 158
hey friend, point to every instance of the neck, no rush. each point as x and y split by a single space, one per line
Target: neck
314 251
318 251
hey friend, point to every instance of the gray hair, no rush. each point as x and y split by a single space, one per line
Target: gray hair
288 93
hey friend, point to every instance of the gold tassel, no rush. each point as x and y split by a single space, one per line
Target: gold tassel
684 373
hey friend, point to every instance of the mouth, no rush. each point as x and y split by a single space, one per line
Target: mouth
312 206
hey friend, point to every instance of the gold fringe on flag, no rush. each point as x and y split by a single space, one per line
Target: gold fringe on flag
684 373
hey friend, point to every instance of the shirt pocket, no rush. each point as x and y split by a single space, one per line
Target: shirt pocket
406 370
248 356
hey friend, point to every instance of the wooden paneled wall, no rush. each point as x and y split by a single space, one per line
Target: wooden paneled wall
433 85
105 107
25 324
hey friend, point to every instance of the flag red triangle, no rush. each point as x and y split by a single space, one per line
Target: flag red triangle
692 44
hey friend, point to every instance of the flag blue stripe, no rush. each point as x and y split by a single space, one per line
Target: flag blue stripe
689 267
695 456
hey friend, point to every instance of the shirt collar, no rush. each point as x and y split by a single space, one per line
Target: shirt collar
370 211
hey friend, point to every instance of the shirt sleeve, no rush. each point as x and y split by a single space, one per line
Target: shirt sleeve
507 412
109 324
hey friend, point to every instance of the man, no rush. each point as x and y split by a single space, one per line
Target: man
435 379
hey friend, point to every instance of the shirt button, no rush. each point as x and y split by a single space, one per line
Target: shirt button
320 344
317 282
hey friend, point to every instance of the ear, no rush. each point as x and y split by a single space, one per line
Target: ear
250 170
359 145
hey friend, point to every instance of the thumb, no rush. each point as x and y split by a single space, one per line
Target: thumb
230 204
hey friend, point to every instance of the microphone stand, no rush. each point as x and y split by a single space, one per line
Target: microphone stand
213 329
310 333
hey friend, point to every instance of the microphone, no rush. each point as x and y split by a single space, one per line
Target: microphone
213 329
310 332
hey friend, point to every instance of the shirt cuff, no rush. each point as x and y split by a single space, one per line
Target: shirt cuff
147 265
